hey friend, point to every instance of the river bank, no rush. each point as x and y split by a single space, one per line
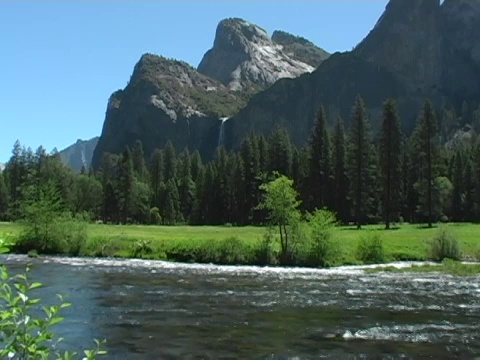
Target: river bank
241 245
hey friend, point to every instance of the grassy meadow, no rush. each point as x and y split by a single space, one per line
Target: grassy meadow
227 244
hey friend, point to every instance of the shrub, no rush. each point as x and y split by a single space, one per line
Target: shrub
320 249
60 234
266 253
25 335
141 248
444 246
370 249
155 217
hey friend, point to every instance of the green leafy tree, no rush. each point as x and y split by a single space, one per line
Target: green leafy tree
281 201
390 161
360 162
87 195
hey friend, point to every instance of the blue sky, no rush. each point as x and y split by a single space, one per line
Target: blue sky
60 61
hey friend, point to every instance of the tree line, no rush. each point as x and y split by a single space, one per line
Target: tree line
361 176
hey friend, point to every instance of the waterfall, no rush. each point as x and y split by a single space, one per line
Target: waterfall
221 134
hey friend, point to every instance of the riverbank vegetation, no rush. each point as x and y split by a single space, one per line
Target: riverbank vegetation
209 243
24 333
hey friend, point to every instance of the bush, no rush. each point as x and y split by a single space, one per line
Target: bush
61 234
444 246
23 334
370 249
141 248
155 217
266 254
320 249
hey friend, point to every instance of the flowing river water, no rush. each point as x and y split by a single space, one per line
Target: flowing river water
160 310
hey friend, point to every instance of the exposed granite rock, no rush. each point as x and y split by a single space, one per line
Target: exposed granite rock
79 154
166 100
244 57
300 48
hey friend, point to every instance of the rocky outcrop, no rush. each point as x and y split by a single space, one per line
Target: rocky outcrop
166 100
300 48
418 49
245 58
79 154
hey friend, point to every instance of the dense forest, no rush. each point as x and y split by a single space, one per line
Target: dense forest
433 175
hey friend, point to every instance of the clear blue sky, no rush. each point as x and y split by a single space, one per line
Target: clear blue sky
60 61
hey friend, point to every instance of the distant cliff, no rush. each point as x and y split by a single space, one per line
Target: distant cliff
79 154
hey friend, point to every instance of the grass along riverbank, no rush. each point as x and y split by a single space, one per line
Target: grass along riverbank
241 245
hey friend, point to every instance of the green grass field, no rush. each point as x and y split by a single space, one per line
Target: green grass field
407 242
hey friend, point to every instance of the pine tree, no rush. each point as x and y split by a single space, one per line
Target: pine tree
428 151
340 188
170 162
457 193
3 198
157 169
126 180
264 162
390 161
139 166
16 169
250 156
186 185
469 188
360 162
280 152
319 170
196 164
172 204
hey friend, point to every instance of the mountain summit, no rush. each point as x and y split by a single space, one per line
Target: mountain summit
244 56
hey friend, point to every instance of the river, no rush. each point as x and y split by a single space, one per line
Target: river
160 310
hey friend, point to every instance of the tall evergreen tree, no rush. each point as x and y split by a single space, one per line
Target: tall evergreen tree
390 161
108 178
172 204
457 193
3 198
469 188
280 152
138 159
264 162
16 169
126 181
170 162
319 170
157 168
250 156
428 148
359 162
186 185
196 164
340 188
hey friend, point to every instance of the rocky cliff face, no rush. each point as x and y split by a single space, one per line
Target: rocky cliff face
418 49
300 48
166 100
244 57
79 154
